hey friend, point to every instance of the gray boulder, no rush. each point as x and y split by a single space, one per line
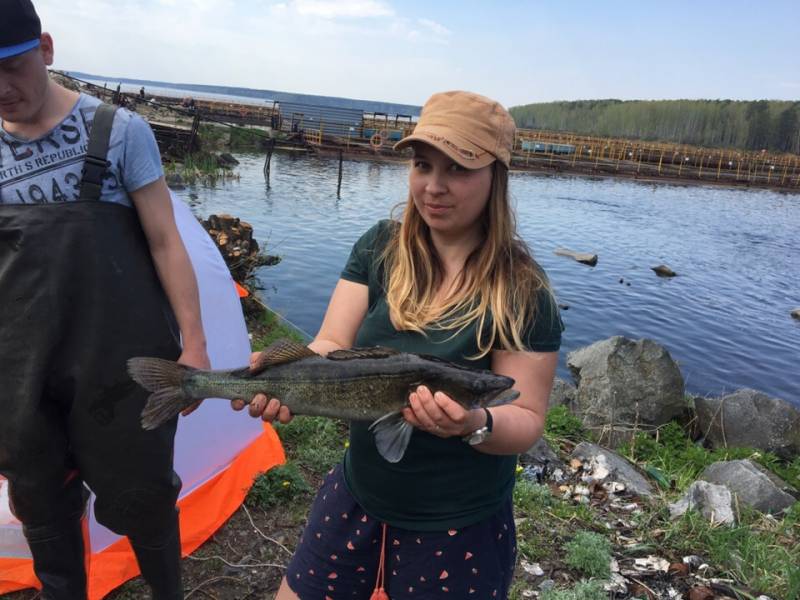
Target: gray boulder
563 392
713 501
752 484
604 465
747 418
624 386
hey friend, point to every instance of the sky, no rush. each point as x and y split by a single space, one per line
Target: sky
516 52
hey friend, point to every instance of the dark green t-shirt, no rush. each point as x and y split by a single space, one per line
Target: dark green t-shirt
440 483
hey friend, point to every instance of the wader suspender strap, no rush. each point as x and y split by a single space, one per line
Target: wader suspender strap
95 164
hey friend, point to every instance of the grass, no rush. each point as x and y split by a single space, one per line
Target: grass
280 485
199 168
232 139
583 590
561 424
680 460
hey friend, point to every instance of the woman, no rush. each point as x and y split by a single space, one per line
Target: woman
453 280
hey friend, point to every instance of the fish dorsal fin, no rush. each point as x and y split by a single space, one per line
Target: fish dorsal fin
282 351
374 352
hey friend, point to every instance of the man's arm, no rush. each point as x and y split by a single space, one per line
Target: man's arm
154 206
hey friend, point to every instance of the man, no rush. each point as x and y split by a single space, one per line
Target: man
88 274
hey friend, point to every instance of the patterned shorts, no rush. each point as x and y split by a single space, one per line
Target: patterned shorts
339 552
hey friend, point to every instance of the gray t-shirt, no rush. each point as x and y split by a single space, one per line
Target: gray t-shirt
48 169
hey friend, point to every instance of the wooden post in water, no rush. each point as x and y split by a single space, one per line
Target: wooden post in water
270 147
339 183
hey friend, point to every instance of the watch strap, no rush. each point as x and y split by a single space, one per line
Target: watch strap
489 420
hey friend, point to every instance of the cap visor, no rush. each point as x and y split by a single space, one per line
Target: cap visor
10 51
465 153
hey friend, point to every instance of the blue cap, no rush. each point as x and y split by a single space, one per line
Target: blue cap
20 28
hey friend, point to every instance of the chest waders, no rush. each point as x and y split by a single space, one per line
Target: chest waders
79 296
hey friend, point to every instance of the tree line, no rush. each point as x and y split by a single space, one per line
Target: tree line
757 125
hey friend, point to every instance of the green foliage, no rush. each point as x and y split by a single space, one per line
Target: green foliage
561 423
589 553
758 551
583 590
530 497
773 125
280 485
315 443
271 327
232 138
672 455
198 167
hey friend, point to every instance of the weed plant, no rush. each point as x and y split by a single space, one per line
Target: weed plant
317 443
280 485
681 460
583 590
561 424
589 553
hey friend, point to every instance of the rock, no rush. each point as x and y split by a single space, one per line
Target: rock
625 385
795 313
547 585
664 271
532 568
541 462
226 160
715 502
604 465
693 561
747 418
752 484
563 307
582 257
563 392
175 181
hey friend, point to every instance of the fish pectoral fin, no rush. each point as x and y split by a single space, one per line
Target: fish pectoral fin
373 352
282 351
392 434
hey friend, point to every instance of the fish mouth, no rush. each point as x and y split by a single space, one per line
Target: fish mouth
504 397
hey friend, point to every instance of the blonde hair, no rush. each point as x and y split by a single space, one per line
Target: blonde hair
498 286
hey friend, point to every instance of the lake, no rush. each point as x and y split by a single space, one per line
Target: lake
724 318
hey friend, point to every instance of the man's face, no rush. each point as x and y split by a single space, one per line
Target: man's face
23 83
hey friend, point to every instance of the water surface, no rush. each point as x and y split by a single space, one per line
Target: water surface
725 318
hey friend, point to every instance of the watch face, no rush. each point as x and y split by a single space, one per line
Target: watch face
479 436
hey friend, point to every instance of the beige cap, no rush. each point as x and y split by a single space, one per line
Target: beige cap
471 129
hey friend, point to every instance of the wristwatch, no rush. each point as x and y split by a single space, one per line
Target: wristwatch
481 434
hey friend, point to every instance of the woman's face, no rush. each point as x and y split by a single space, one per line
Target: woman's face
450 198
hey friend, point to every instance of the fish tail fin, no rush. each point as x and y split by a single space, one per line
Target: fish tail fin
165 379
392 434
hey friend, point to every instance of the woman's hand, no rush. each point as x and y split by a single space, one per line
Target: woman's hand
259 406
440 415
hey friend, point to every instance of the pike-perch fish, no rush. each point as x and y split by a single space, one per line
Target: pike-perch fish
360 384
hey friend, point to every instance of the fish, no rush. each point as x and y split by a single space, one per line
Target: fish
357 384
